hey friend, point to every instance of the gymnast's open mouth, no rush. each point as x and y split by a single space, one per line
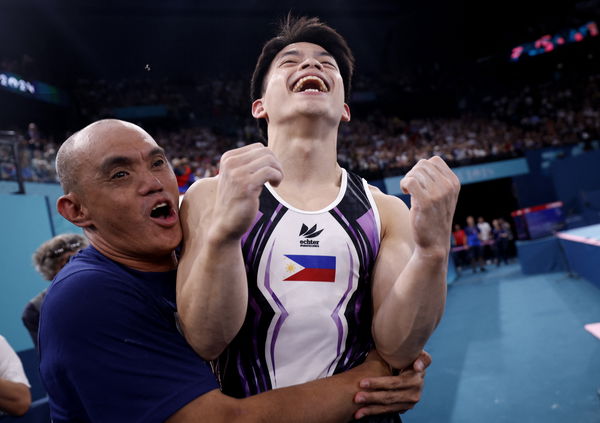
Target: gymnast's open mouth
310 83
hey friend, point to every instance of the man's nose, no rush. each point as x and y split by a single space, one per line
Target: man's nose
150 183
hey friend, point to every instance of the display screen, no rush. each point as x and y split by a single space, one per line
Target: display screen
549 43
34 89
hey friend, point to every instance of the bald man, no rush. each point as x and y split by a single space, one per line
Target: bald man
110 346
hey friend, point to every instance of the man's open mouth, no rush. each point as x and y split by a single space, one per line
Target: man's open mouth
161 210
310 83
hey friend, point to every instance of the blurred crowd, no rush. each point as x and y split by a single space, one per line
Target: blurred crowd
36 156
204 118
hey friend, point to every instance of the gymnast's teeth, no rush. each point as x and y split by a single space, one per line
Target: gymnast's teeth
310 83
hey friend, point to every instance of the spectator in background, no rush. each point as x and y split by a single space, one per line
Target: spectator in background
460 250
48 259
485 235
183 173
42 169
34 137
500 242
474 244
15 397
510 248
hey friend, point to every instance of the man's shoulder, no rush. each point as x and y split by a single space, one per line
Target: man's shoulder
91 293
4 343
90 265
91 277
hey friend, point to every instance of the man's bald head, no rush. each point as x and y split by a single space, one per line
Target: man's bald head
71 154
66 166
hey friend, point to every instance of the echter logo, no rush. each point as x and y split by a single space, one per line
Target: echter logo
307 234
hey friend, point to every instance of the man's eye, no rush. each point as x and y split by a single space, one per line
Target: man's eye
158 163
287 62
119 174
329 64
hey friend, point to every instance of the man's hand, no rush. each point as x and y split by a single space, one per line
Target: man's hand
434 192
242 173
393 394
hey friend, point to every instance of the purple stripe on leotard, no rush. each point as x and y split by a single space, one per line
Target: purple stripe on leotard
284 314
367 223
335 314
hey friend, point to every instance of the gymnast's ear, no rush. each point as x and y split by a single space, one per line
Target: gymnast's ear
258 109
346 113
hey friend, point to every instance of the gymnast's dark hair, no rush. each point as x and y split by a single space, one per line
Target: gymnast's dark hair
302 29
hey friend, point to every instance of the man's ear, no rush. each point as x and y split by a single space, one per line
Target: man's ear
346 113
258 110
69 206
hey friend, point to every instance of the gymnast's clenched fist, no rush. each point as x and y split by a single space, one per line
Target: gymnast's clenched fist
433 188
242 174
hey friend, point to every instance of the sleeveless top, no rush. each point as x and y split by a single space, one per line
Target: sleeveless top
309 285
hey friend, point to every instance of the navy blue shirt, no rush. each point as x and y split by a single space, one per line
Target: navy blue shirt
110 350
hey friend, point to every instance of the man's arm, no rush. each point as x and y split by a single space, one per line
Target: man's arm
15 397
324 400
393 394
212 290
409 280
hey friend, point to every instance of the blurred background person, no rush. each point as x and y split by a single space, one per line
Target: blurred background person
183 173
485 235
500 242
15 397
459 248
474 243
48 259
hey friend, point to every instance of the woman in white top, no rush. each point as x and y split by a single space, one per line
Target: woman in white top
15 397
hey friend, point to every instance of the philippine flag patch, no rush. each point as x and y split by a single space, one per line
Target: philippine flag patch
311 268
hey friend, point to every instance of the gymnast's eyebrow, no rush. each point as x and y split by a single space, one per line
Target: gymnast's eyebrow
290 53
296 53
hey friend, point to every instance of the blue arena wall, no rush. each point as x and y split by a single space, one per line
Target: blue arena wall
24 225
567 173
473 173
576 181
26 221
